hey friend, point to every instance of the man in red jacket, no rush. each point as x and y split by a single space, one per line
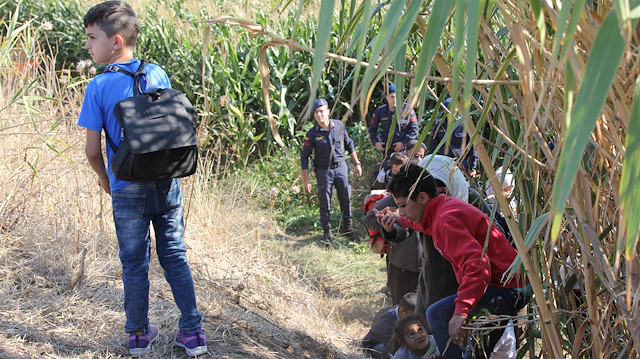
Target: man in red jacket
478 252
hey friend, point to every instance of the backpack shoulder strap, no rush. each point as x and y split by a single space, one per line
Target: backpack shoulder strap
137 89
110 141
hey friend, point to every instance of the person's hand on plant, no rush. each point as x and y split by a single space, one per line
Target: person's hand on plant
455 328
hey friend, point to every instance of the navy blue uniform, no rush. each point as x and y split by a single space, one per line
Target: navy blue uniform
470 160
406 128
330 166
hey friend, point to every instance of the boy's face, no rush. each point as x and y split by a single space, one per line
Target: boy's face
396 168
410 209
416 338
101 48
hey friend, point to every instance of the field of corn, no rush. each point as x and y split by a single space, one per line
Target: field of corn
546 88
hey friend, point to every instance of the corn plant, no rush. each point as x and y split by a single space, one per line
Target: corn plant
555 83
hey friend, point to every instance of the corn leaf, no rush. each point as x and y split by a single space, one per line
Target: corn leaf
534 231
323 38
629 189
600 71
383 38
536 7
435 27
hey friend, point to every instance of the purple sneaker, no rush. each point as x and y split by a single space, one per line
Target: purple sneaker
195 343
140 343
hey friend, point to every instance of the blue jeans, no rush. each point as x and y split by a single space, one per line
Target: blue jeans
497 300
134 207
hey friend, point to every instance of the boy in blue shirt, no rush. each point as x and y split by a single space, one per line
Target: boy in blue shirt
112 29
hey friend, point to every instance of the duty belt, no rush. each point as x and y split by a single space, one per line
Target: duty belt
331 166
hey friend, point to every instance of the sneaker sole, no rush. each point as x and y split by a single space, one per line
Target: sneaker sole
140 351
192 352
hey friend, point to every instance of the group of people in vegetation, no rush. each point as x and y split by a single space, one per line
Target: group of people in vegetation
445 258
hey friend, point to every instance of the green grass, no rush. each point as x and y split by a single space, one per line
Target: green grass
346 271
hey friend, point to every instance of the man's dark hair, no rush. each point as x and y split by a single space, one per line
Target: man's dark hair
114 17
411 180
408 302
397 339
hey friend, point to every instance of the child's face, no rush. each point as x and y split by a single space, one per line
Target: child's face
416 338
410 209
396 168
101 47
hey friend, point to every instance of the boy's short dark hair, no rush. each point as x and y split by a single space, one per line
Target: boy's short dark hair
398 158
115 17
408 302
397 339
411 180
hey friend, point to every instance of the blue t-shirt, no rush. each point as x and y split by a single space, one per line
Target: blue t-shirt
101 96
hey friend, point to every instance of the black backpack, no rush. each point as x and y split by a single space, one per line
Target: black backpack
159 133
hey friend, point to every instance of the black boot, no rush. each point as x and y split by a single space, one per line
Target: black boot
327 237
349 231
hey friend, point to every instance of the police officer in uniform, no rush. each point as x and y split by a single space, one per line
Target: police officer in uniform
406 128
330 142
460 141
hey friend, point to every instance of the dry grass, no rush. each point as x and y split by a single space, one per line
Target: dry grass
61 293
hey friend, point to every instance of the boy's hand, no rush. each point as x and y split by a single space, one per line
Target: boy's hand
104 184
455 328
387 218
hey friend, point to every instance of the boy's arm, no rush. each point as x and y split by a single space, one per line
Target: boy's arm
468 258
93 150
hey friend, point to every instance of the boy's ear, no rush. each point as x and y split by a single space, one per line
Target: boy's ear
119 41
423 198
